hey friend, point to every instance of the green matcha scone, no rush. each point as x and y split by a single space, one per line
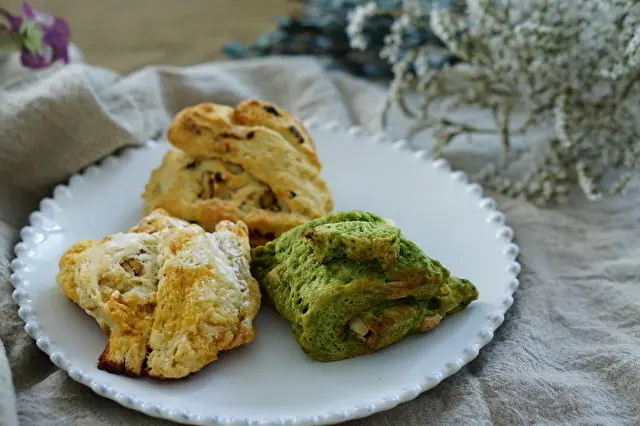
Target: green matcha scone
350 283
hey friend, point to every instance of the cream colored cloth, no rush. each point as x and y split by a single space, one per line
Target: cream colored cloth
568 352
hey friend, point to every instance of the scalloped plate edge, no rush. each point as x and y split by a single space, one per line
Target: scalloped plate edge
41 223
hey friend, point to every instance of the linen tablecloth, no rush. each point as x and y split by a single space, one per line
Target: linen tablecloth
567 353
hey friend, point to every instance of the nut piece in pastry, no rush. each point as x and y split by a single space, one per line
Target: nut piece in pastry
254 163
169 295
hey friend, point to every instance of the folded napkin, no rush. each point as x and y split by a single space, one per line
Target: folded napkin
568 351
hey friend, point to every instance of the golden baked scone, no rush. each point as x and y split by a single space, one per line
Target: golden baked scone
255 163
169 295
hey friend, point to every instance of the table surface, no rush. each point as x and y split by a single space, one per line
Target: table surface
125 35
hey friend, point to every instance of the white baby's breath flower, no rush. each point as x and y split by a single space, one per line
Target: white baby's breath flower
586 183
632 51
391 50
401 23
421 65
357 19
393 40
562 126
400 78
438 23
572 67
449 30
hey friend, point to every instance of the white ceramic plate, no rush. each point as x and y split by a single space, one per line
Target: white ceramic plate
271 381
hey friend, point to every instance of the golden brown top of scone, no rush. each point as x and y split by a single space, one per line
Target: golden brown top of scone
256 163
169 294
209 130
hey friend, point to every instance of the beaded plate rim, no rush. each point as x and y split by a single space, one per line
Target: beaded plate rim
32 235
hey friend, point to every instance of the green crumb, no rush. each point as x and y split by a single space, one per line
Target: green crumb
350 283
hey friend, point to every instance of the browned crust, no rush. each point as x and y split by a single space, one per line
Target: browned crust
113 367
255 112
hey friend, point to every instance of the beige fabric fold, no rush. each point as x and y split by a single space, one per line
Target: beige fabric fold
568 352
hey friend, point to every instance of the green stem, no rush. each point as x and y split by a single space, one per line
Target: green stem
627 88
417 127
504 130
385 113
466 128
403 104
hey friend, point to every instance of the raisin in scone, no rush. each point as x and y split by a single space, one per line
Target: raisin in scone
254 163
169 295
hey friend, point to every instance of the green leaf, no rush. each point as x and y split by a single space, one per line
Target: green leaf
31 35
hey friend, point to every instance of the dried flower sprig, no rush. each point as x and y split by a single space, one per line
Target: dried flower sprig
322 28
573 65
41 38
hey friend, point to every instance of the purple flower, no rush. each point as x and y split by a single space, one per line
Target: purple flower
42 38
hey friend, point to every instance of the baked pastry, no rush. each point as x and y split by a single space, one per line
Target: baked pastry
169 295
254 163
350 283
